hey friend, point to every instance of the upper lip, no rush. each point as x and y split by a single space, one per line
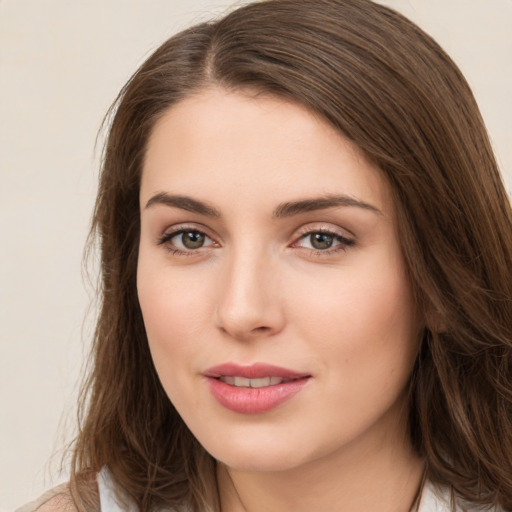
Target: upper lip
253 371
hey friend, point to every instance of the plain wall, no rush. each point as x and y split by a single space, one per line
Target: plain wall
61 64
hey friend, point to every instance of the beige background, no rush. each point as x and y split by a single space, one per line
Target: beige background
61 64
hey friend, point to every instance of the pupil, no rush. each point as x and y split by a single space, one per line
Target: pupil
321 240
192 240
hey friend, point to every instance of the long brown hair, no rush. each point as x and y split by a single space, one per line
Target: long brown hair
391 89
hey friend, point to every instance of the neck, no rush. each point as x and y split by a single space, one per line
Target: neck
386 479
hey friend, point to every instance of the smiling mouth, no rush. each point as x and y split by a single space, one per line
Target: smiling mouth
244 382
254 395
254 389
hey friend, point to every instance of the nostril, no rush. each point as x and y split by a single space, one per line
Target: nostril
263 328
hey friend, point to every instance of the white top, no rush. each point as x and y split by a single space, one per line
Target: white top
108 500
432 499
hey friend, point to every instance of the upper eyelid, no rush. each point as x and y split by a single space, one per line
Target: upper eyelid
186 226
324 228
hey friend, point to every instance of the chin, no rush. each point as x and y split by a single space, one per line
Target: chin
256 453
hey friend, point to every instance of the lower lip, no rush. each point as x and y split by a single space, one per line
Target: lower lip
254 400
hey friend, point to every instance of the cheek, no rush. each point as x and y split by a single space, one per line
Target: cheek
175 310
174 315
362 321
355 304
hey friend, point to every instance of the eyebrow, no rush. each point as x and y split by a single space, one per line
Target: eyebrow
184 203
287 209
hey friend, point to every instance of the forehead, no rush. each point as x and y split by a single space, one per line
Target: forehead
233 146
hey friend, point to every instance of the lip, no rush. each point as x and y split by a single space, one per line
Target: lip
253 371
246 400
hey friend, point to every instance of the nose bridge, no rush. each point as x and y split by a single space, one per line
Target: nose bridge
248 303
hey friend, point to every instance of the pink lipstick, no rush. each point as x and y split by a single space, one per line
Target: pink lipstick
253 389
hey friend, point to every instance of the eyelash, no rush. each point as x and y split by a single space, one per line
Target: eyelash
343 242
167 237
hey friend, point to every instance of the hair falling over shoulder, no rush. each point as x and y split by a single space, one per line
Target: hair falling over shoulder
387 86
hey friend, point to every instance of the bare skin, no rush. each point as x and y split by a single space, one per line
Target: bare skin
387 481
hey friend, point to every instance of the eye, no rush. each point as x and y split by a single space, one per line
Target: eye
185 240
324 241
189 239
321 241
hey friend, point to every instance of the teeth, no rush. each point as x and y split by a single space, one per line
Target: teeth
259 383
242 382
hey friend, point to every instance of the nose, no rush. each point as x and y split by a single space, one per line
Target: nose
250 304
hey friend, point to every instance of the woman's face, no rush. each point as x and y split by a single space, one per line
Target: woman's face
274 294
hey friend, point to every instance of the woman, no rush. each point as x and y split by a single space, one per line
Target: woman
306 299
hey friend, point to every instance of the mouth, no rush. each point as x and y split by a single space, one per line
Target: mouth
261 374
254 389
244 382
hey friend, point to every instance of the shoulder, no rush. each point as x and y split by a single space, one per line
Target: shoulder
57 499
99 488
